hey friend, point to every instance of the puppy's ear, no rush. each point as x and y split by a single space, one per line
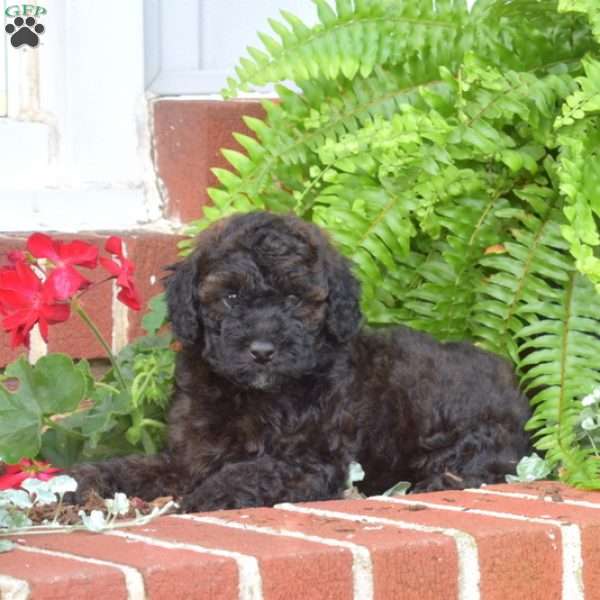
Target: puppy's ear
343 311
183 303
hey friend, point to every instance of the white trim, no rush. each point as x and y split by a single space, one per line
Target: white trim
195 81
193 46
46 209
78 139
4 42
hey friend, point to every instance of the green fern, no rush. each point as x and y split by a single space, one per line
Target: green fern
525 269
452 156
579 135
561 360
351 40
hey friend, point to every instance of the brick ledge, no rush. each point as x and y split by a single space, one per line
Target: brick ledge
539 540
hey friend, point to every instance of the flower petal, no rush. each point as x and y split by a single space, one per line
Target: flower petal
114 245
56 313
15 256
130 298
110 265
66 281
43 246
12 481
80 253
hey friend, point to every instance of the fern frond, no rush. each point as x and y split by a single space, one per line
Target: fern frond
579 169
361 35
560 349
525 268
587 7
371 226
520 34
443 300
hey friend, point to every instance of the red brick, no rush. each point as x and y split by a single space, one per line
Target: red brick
168 573
290 568
150 252
510 552
53 577
517 558
187 136
588 519
406 564
548 489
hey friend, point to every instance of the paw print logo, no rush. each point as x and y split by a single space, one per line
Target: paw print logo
24 31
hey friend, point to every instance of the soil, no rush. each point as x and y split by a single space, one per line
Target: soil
69 513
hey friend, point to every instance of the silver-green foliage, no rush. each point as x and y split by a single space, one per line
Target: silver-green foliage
453 156
16 506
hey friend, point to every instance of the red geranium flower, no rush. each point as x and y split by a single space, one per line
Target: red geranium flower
15 256
123 270
25 301
14 475
64 279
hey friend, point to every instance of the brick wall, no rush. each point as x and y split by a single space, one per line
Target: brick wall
522 542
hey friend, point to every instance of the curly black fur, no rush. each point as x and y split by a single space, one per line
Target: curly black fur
278 389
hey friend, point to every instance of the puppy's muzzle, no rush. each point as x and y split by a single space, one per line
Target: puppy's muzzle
261 351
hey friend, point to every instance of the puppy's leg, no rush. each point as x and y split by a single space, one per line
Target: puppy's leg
484 454
266 481
146 477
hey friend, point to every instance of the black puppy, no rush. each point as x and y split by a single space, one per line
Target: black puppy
278 389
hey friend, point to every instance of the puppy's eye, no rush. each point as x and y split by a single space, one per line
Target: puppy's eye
230 300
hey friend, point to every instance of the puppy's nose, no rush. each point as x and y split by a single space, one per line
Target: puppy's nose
262 352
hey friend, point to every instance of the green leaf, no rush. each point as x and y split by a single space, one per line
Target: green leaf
156 316
20 425
61 484
399 489
41 491
16 498
53 386
95 521
530 468
119 505
54 383
61 447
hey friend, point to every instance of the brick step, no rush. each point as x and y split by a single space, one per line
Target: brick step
522 542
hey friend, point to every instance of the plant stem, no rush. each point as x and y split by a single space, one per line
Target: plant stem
46 529
106 386
153 423
592 443
92 326
309 188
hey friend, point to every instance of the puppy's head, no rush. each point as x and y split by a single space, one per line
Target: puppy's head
264 298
